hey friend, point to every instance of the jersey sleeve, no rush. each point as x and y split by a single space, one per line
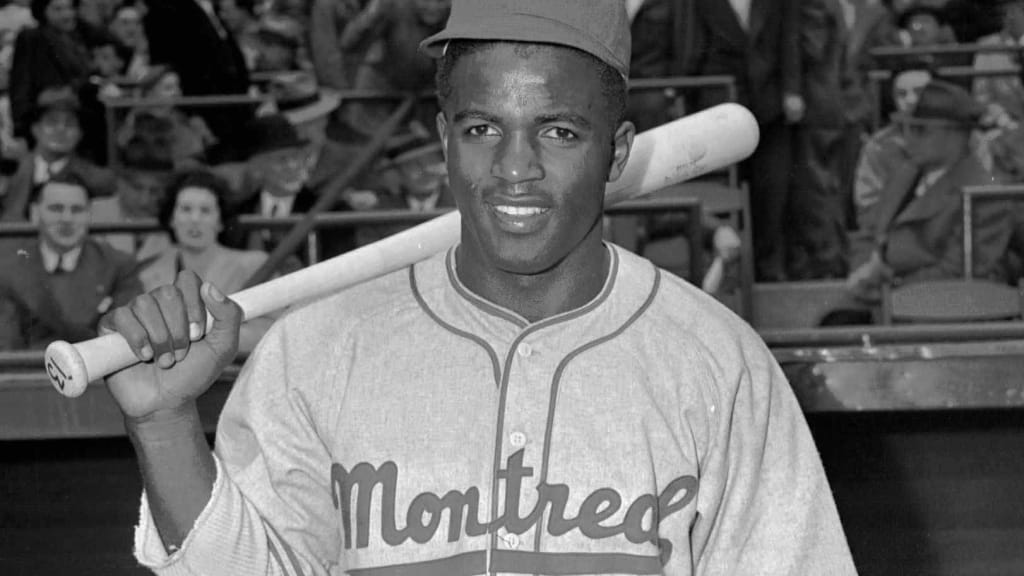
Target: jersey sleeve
271 509
766 506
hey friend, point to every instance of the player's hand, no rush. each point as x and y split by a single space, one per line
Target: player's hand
865 283
179 359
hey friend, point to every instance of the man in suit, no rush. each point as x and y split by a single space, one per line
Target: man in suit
56 286
661 46
188 36
918 232
57 133
756 42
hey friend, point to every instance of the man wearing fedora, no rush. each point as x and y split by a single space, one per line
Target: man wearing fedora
917 231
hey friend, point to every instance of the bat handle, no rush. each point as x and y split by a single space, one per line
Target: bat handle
70 367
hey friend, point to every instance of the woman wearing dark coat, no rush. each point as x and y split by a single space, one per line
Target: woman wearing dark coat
55 53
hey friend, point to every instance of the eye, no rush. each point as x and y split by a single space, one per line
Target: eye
559 133
481 130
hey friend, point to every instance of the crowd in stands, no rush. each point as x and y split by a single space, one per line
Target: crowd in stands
102 120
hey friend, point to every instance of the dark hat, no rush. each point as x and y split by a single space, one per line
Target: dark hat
272 133
299 98
917 9
55 98
597 27
943 103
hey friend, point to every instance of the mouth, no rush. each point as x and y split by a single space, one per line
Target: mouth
518 218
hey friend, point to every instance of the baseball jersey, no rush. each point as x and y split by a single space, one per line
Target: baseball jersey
408 426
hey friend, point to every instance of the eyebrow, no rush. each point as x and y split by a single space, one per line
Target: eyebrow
568 117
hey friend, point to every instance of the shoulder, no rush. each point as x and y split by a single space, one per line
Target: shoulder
372 307
690 328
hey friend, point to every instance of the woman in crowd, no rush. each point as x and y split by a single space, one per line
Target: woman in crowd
193 214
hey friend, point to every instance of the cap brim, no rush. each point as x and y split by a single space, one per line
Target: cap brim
325 104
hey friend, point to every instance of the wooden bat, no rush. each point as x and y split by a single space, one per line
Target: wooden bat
666 155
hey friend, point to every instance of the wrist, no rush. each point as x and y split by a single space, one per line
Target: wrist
164 425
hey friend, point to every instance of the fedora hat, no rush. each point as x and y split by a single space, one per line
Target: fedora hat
299 98
943 104
272 133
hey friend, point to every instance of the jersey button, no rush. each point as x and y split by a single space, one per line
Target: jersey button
518 439
524 350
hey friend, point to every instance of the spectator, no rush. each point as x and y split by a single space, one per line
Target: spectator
816 214
165 132
307 108
335 68
918 233
661 33
757 43
274 182
127 28
239 17
56 286
13 18
193 213
395 28
1003 91
422 186
278 45
140 191
209 62
885 150
54 54
108 59
56 132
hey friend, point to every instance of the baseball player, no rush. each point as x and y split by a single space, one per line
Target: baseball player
533 400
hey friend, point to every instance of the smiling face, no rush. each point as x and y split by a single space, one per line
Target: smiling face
196 218
529 148
62 213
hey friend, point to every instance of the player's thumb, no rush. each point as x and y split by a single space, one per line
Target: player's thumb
227 319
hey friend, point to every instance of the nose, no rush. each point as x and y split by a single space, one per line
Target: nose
516 160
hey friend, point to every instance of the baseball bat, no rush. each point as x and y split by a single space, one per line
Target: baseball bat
666 155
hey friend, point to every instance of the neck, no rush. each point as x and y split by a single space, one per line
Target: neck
568 285
198 260
50 156
59 249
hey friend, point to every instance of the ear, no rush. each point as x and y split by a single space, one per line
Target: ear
621 147
442 131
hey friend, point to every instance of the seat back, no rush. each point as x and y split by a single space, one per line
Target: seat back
953 300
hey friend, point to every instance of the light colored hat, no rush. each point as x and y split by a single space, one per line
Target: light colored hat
597 27
299 98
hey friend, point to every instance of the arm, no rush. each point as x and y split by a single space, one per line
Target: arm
11 336
768 505
20 85
791 64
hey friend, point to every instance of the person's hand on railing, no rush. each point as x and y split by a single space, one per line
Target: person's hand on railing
865 283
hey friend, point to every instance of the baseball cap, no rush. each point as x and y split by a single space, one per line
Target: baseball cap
597 27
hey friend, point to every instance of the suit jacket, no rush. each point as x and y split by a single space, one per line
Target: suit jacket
764 59
14 205
922 239
37 307
182 36
662 46
333 159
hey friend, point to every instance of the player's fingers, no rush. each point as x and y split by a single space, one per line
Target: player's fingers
123 321
172 307
148 313
227 320
188 284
